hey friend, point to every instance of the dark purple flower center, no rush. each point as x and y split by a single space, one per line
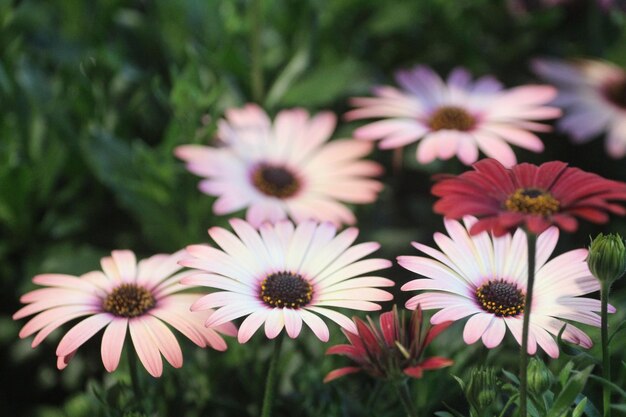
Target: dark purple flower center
128 300
615 92
532 201
285 289
452 118
275 181
501 298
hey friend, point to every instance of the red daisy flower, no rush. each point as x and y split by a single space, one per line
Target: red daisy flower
393 350
528 195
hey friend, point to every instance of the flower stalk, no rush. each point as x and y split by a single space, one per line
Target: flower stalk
607 262
606 359
271 379
402 389
523 371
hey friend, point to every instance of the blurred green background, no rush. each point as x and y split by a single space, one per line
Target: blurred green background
95 95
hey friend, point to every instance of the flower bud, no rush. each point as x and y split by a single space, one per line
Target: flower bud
539 377
607 257
481 389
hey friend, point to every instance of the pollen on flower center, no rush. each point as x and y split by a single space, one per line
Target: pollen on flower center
128 300
275 181
285 289
453 118
616 92
532 201
501 298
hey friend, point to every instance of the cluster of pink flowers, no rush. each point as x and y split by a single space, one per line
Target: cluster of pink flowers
288 265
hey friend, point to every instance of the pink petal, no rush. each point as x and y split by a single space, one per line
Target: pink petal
494 334
62 280
293 322
109 267
232 312
165 340
547 342
317 325
338 318
82 332
476 326
274 323
146 348
251 324
63 361
126 264
496 148
52 326
61 314
112 343
182 323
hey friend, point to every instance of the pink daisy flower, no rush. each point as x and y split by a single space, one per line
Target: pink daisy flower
285 276
283 169
458 117
593 95
484 277
126 295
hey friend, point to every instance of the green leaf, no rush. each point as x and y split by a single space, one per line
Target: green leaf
564 374
326 83
296 66
580 408
619 328
460 382
453 412
568 394
512 377
609 384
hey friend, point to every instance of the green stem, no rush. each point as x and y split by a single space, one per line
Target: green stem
507 405
402 390
134 375
256 65
133 370
606 360
271 381
523 361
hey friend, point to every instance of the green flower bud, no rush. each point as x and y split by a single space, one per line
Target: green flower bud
607 257
482 389
539 377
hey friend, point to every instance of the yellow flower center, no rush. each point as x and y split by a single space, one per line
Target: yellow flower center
532 201
128 300
275 181
452 118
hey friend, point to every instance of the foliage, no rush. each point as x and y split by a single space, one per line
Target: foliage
94 96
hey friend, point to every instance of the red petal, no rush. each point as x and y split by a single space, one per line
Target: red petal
414 371
566 223
370 342
435 331
524 175
337 373
388 325
548 173
347 350
435 362
537 224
